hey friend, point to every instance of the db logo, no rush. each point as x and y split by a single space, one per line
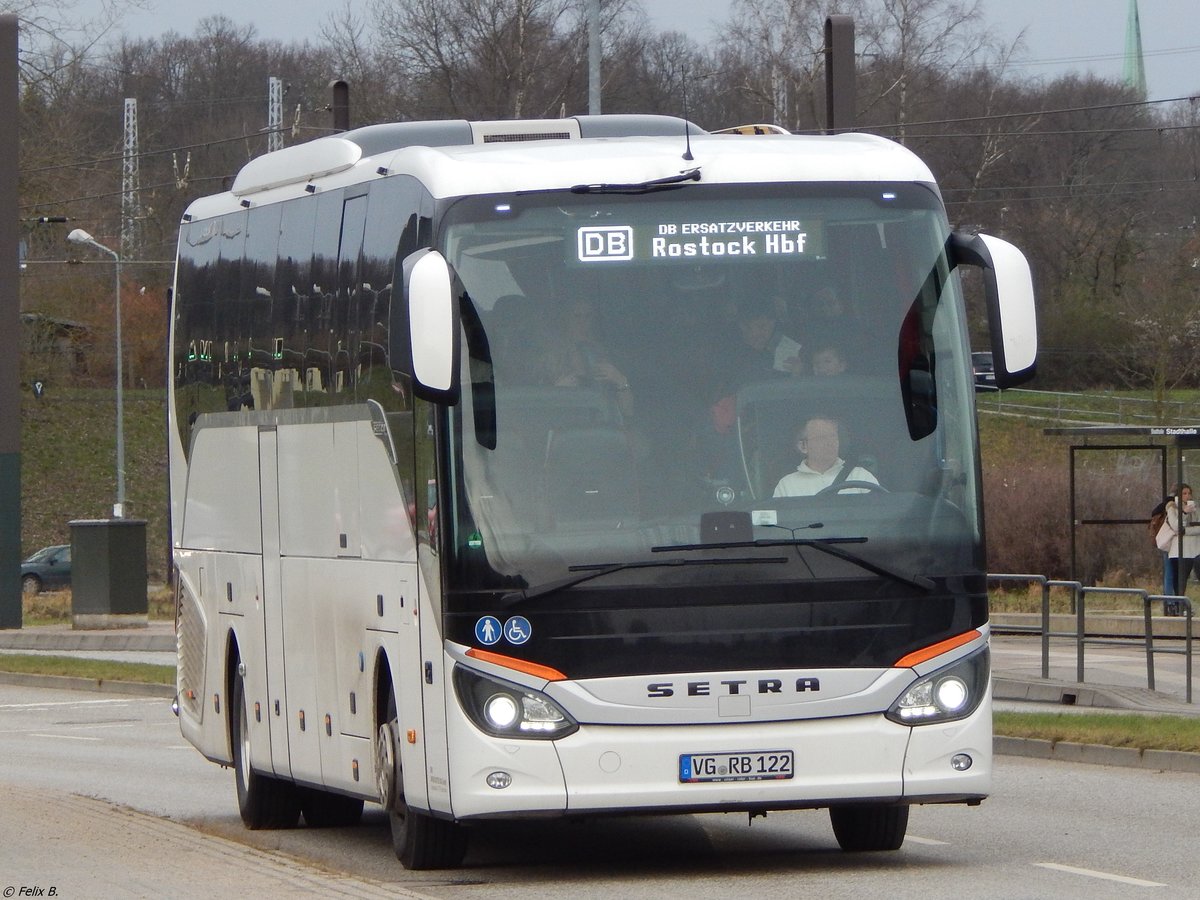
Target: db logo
597 244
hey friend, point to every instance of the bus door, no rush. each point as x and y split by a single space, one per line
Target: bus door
278 711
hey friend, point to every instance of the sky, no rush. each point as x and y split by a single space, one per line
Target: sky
1061 36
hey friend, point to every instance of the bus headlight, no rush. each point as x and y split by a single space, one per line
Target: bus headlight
947 694
503 709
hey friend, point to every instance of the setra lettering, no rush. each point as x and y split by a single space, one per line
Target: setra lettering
731 687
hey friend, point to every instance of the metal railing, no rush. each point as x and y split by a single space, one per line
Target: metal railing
1079 595
1186 649
1086 409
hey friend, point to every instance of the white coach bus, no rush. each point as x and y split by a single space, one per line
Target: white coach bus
478 436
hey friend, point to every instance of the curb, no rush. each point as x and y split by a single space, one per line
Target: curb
72 683
1098 754
1076 694
70 641
1051 692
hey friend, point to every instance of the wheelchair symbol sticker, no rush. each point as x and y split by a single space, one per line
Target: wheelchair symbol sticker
487 631
518 630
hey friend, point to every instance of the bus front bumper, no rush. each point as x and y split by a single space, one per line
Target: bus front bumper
625 769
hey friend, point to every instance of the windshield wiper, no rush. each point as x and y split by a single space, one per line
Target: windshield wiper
643 187
588 572
825 545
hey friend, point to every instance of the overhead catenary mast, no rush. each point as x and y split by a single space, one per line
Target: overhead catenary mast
274 113
131 213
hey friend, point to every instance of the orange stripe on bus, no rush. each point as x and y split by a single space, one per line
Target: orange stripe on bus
926 653
520 665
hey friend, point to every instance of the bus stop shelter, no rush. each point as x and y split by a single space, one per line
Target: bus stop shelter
1135 466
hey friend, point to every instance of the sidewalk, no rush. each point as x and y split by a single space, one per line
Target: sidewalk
1115 674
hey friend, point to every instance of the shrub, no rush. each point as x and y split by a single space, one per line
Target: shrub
1027 502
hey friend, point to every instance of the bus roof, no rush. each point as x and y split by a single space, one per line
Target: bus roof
461 159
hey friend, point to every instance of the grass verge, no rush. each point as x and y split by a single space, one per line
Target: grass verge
1109 729
92 669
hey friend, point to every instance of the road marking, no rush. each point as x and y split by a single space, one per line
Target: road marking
63 737
59 703
1106 876
930 841
92 726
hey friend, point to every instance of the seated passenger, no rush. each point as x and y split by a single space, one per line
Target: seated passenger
820 442
828 360
765 349
574 355
764 353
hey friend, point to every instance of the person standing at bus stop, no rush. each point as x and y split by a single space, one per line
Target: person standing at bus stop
1180 549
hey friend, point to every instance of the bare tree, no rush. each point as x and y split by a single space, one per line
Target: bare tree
378 89
484 58
1158 317
656 73
914 44
772 57
54 37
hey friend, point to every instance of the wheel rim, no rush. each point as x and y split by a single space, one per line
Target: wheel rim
385 765
243 737
30 585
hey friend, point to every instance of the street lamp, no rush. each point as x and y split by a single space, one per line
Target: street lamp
79 236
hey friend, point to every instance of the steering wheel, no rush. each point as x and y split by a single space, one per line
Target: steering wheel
848 485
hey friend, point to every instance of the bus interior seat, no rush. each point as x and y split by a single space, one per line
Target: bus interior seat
590 475
540 409
513 326
533 425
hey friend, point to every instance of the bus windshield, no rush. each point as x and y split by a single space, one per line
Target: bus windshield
655 379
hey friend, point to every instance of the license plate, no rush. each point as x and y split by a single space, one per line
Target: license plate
750 765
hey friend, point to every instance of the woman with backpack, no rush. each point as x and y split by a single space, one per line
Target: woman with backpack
1180 549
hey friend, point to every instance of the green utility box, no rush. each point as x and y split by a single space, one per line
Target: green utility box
108 573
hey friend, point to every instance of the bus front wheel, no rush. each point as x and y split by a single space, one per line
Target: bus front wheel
869 827
263 802
420 840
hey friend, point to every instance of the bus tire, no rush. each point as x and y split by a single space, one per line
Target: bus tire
325 809
419 840
263 802
869 827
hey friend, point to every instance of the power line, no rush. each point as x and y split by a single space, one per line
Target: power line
108 194
1074 195
1147 129
1091 184
1099 57
1031 114
102 159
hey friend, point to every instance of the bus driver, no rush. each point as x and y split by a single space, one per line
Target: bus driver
820 443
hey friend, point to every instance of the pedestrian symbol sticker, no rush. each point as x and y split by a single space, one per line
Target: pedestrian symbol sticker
487 631
517 630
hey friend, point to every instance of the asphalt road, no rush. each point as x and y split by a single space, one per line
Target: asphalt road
100 797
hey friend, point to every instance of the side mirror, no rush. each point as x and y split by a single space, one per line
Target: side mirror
424 337
1008 290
